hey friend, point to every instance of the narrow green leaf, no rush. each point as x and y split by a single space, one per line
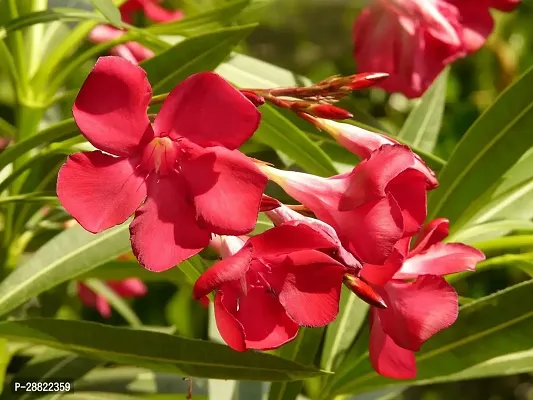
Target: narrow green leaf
5 358
68 255
199 53
490 327
61 131
471 169
279 133
36 197
6 129
489 230
200 22
341 333
117 302
118 270
108 10
421 129
303 350
156 351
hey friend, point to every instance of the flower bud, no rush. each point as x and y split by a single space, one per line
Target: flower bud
328 111
268 203
364 80
253 97
363 290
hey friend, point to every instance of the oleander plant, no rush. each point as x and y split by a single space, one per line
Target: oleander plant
266 199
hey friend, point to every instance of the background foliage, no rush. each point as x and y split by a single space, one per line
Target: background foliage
473 126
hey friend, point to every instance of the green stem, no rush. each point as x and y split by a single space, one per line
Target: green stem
17 48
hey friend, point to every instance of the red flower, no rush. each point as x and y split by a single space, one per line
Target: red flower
186 167
127 288
382 200
150 8
413 40
418 309
132 51
277 281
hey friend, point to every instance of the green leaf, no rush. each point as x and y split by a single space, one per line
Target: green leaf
303 349
199 53
68 255
117 302
61 131
341 333
5 358
421 129
502 133
200 22
489 230
279 133
156 351
490 327
36 197
108 10
40 17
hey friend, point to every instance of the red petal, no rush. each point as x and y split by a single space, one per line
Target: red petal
504 5
418 310
434 232
110 109
409 190
476 23
230 269
288 238
207 110
226 187
381 274
311 288
103 307
371 231
441 259
229 327
387 358
266 324
160 14
131 287
164 232
98 190
370 179
86 295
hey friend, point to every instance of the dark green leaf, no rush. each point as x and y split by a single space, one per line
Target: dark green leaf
156 351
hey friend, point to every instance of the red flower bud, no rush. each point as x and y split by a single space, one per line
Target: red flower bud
364 80
269 203
328 111
364 291
253 97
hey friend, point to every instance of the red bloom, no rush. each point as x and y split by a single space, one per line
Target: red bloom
418 309
186 167
127 288
277 281
132 51
382 200
413 40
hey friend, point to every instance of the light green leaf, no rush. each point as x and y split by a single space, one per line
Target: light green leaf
199 23
199 53
303 349
117 302
156 351
490 327
489 230
108 10
421 129
68 255
279 133
491 146
35 197
341 333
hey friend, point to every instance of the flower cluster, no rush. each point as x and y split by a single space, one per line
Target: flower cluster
413 40
188 186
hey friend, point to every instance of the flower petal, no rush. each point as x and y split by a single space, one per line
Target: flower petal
387 358
266 324
433 232
131 287
164 232
103 306
418 310
160 14
98 190
441 259
311 287
228 326
226 187
288 238
371 231
229 269
111 107
207 110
